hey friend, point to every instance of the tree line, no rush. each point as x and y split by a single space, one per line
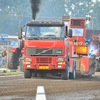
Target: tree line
15 13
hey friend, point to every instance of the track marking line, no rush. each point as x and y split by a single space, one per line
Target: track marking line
40 93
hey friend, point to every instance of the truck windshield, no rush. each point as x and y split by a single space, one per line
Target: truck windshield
77 31
45 31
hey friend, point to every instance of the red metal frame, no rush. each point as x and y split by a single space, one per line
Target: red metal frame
13 49
85 64
82 23
22 51
79 39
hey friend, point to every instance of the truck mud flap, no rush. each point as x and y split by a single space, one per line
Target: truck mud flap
77 59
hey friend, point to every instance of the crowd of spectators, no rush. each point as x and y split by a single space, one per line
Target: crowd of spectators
3 56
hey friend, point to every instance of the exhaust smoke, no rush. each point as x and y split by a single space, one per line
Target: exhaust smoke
35 7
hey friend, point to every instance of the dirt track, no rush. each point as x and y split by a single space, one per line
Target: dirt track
15 87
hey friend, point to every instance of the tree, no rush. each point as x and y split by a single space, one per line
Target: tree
9 23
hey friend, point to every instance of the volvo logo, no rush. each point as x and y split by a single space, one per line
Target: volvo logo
44 51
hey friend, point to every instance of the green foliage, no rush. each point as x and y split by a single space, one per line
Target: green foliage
9 22
10 9
83 8
10 73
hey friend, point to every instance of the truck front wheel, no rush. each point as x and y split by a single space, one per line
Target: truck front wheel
65 74
27 73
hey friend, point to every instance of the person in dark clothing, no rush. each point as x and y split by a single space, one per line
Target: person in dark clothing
33 32
4 53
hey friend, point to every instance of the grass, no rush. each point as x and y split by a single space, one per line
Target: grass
10 73
3 67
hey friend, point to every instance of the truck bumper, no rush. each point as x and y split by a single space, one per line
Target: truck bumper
45 63
44 66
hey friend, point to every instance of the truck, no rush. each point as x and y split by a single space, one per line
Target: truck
46 48
15 52
79 49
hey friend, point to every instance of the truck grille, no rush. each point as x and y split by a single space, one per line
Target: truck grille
43 60
43 51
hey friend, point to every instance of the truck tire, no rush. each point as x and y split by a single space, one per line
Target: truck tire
13 60
98 68
27 73
65 74
73 74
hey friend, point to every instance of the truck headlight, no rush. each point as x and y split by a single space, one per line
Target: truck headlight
61 63
26 62
28 65
60 59
59 66
27 59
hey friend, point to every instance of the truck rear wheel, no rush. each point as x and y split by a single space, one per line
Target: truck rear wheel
65 74
27 73
73 74
13 60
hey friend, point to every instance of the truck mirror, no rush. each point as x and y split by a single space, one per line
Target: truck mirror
20 33
70 33
87 42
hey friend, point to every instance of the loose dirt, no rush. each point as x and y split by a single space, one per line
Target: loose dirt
16 87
